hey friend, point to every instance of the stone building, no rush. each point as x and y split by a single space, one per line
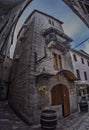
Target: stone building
42 76
80 62
10 12
8 21
80 8
5 70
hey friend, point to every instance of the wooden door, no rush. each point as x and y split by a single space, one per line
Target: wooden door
56 94
66 103
60 96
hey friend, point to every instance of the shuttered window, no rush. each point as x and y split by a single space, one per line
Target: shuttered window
78 74
74 56
85 75
82 60
57 61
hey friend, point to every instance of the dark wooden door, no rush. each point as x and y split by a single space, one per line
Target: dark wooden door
60 96
56 94
66 102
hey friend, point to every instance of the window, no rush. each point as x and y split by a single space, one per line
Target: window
52 23
78 74
75 58
57 61
82 60
88 63
49 21
85 75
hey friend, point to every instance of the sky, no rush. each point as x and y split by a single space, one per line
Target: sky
72 24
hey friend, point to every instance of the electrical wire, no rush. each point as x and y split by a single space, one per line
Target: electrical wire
81 43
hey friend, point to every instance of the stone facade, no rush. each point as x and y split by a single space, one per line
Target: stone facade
80 8
34 70
81 63
8 19
8 23
5 70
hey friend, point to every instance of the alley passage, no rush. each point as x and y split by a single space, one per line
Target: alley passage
10 121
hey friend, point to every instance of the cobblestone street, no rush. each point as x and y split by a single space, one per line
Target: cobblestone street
10 121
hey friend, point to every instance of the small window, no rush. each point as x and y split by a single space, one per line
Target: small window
52 23
75 58
82 60
78 74
85 75
88 63
55 61
49 21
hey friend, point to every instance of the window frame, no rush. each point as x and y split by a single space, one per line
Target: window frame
78 74
82 60
74 57
85 75
57 61
88 63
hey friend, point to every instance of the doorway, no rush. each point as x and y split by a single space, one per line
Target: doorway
60 96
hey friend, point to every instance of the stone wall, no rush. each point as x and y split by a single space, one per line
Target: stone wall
5 70
23 97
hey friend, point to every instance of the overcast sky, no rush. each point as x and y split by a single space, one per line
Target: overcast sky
72 24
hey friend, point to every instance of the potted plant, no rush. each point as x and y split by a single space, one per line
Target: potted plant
42 90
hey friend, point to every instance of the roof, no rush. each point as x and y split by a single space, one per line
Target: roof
40 13
81 52
43 14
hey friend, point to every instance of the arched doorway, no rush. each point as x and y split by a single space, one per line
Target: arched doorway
60 96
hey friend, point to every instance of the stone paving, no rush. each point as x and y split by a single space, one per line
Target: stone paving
77 121
10 121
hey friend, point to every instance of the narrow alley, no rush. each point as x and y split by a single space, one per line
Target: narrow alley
10 121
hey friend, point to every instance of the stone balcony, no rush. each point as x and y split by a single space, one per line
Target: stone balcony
57 39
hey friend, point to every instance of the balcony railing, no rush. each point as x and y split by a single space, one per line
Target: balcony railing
56 32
